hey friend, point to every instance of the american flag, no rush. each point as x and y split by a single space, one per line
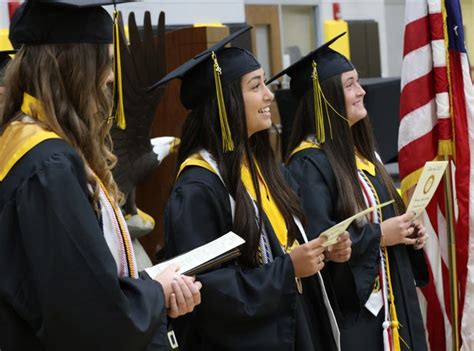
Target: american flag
437 119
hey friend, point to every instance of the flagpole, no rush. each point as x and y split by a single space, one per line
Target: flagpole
453 276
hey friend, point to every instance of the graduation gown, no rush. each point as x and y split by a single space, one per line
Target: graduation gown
59 287
353 281
241 308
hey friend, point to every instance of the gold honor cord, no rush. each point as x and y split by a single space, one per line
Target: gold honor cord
122 228
227 143
118 111
321 105
394 323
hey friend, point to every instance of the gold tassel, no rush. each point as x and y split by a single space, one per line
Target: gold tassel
118 110
395 324
445 147
320 132
227 143
321 108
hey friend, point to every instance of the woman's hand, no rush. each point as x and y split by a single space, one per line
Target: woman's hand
419 234
185 296
341 251
181 293
165 278
308 258
398 230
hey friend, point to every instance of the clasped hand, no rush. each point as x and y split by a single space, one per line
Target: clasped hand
403 229
308 258
182 293
341 251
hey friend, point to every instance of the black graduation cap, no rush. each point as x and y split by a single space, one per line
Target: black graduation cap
208 72
39 22
62 22
196 74
308 72
329 63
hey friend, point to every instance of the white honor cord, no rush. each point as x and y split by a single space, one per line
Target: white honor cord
386 324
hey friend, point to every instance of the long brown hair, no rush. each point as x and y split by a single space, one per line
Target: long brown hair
201 130
340 146
69 81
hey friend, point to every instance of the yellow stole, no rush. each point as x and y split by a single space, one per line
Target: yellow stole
269 206
305 144
31 104
20 137
365 165
15 142
195 160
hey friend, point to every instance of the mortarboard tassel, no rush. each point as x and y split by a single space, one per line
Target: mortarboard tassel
118 110
227 143
319 101
321 108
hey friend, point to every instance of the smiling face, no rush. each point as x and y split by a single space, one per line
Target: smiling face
257 99
354 97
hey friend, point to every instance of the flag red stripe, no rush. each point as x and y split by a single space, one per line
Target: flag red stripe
426 149
434 316
422 31
441 79
437 204
417 93
444 129
462 171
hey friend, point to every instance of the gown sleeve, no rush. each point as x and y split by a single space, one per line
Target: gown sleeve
81 302
318 193
239 307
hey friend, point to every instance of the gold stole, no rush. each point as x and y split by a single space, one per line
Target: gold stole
305 144
269 206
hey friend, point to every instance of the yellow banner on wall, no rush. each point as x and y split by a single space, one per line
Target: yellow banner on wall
333 28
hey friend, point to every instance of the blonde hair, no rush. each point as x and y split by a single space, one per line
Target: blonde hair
70 82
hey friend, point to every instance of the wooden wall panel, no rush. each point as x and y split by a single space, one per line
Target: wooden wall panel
267 15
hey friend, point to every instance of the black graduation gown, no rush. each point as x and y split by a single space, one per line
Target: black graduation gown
241 309
59 288
360 330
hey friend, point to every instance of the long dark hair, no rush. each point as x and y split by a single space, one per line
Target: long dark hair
201 130
339 147
69 81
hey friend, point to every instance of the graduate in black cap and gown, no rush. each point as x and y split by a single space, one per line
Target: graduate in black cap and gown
272 296
68 274
334 162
